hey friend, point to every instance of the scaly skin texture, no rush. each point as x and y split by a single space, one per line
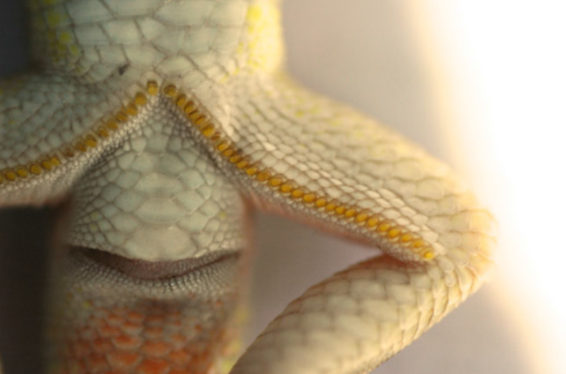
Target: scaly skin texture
166 122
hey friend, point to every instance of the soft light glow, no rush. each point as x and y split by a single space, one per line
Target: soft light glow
511 54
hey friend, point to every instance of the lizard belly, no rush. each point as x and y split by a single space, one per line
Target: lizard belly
160 205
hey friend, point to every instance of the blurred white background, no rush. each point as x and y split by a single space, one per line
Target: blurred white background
480 85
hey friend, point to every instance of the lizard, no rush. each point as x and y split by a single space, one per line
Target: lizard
166 123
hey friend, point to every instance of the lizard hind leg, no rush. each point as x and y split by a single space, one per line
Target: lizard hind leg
354 320
317 161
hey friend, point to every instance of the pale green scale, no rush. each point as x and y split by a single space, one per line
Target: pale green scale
160 199
94 38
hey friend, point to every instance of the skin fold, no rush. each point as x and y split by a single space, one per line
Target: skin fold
165 124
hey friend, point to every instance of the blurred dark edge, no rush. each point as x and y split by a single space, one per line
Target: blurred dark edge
23 236
23 259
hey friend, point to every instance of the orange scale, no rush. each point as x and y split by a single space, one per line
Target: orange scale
124 360
172 324
153 332
80 349
176 323
135 317
119 311
85 332
179 358
172 331
154 320
107 331
155 348
98 321
93 321
179 371
154 309
151 366
201 362
76 367
97 364
177 340
127 342
101 345
131 328
114 320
